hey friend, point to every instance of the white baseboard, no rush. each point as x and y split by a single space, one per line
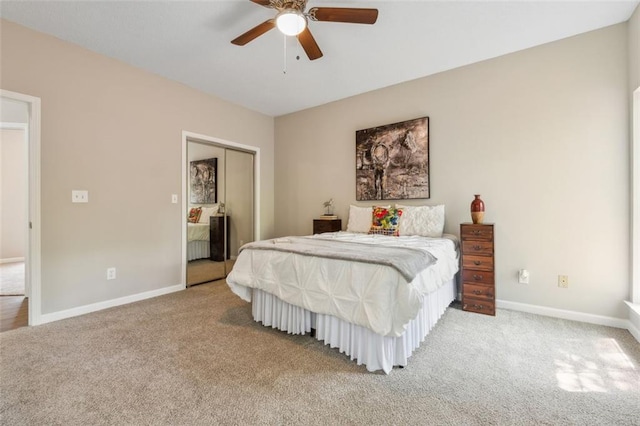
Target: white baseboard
634 319
11 260
634 331
564 314
86 309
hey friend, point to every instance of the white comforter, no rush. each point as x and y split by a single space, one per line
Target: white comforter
366 294
197 232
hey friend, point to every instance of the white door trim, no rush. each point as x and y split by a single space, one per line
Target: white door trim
186 136
635 199
34 252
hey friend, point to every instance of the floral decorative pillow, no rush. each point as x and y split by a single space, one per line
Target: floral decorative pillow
194 214
385 221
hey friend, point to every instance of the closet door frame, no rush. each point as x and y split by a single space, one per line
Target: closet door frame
199 138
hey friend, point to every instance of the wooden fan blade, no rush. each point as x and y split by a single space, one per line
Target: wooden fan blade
265 3
254 32
344 14
309 44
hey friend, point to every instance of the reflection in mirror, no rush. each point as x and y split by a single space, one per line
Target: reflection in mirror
205 194
220 213
239 201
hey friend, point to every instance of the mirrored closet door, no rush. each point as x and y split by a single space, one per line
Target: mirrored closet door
220 213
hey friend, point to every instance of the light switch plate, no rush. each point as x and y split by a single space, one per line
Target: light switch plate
174 198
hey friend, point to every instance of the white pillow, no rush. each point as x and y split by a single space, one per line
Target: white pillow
426 221
206 212
360 219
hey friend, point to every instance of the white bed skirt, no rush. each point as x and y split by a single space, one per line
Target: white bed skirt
198 249
376 352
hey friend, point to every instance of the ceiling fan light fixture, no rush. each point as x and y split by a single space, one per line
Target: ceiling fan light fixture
291 22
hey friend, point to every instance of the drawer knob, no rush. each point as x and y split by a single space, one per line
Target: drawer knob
477 262
478 306
477 247
478 292
476 231
477 277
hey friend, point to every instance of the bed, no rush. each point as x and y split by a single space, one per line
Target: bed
198 246
198 232
374 297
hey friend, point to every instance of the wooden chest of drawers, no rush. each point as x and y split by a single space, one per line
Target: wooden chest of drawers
478 278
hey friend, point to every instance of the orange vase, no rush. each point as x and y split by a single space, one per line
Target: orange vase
477 209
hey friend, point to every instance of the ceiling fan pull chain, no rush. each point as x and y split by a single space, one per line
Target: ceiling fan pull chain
284 59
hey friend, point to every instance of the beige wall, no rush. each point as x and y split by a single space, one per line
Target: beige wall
13 184
634 50
116 131
634 84
542 134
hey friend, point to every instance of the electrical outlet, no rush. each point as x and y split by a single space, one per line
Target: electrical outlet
79 196
111 273
523 276
563 281
174 198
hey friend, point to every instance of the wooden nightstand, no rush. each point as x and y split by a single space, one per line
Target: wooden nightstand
478 268
217 231
326 225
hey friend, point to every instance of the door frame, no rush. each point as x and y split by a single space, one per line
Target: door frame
196 137
33 260
635 198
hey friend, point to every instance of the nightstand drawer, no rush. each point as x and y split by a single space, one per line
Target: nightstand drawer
477 277
478 247
480 263
487 307
326 225
481 292
476 232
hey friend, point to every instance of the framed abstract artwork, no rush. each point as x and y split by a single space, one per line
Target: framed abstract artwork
392 161
203 181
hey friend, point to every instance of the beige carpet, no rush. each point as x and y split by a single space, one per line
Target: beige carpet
196 358
12 279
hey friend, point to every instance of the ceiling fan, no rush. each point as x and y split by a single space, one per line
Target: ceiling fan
292 20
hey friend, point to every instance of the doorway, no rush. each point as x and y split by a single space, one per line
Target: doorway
220 199
20 248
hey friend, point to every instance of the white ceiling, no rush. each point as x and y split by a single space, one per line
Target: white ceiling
189 41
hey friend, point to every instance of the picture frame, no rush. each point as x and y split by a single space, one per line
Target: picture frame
203 181
392 161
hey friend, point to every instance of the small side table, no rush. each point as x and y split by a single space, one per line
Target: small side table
326 225
217 230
